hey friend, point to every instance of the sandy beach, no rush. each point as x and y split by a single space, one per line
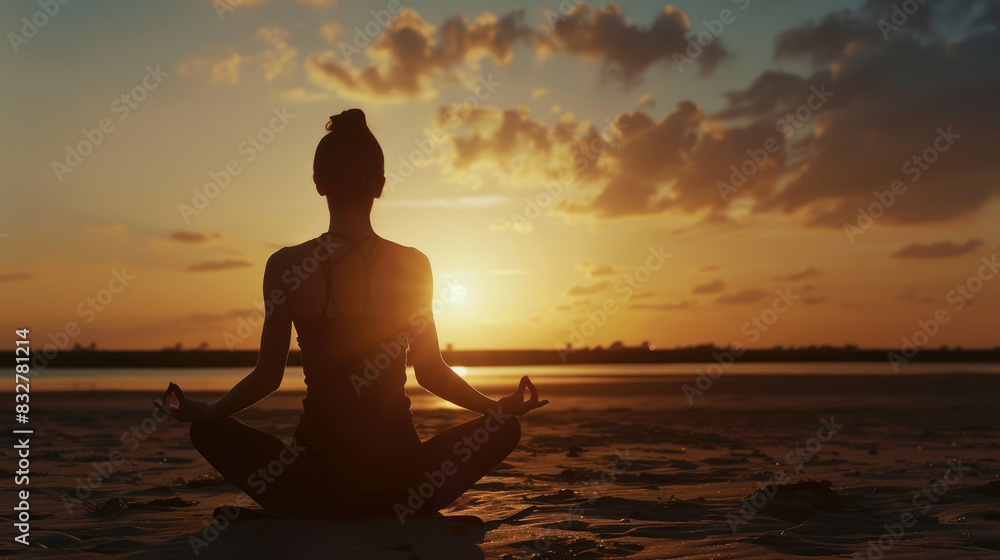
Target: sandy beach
805 468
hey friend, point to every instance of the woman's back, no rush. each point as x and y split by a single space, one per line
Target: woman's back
369 276
351 303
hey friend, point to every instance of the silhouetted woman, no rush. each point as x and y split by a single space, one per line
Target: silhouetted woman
361 307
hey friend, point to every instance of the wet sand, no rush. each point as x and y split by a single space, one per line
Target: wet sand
757 469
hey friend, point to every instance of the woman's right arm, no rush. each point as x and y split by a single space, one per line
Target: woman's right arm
265 378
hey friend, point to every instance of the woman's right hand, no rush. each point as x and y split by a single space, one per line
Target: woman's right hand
516 405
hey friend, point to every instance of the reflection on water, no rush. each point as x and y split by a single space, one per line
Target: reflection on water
486 378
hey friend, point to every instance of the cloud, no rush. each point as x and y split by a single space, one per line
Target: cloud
15 276
710 268
634 165
713 287
539 93
191 236
770 93
222 64
210 266
227 6
515 148
865 125
645 100
911 298
411 54
920 21
580 290
813 300
891 101
811 272
625 49
939 250
280 58
302 95
630 161
225 65
459 203
329 31
826 40
746 296
318 3
683 304
602 270
410 57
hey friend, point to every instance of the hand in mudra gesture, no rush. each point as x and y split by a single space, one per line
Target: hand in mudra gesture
187 410
516 405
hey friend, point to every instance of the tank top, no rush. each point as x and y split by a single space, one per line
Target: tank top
356 415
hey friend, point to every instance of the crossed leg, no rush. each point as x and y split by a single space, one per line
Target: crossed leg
279 477
286 479
473 449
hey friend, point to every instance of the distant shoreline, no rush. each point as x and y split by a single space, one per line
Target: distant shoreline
702 354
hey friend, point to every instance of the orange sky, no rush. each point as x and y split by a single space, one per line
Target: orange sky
546 163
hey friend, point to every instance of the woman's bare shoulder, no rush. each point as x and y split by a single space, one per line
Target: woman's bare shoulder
304 255
287 255
407 256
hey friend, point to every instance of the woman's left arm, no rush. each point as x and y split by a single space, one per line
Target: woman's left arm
265 377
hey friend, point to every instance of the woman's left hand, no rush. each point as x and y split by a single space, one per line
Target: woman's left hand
515 404
187 410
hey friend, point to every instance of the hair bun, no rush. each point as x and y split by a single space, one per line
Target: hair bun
351 121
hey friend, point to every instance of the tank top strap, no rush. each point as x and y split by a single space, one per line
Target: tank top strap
372 254
366 258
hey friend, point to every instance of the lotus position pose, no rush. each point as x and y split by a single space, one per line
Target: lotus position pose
361 307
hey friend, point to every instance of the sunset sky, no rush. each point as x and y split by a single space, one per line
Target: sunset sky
483 109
